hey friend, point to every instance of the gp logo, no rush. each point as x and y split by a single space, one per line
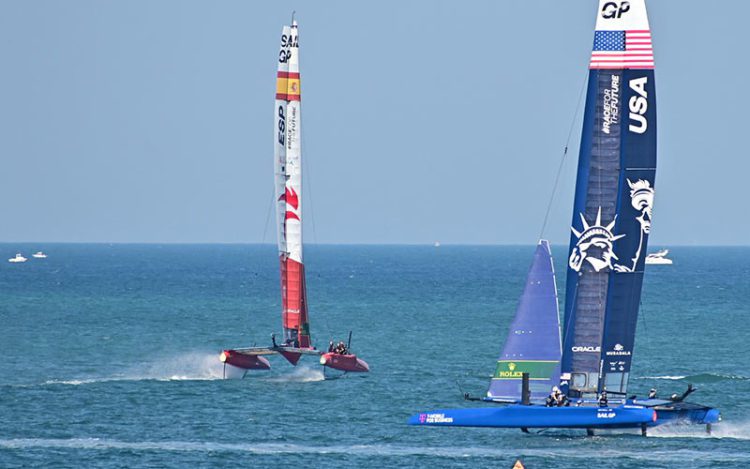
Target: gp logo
615 9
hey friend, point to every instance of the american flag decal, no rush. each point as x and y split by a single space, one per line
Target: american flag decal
622 49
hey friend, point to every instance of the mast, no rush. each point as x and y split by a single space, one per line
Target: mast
288 179
533 342
613 203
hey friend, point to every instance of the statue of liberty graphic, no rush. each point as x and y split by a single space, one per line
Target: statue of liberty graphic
642 199
595 245
596 241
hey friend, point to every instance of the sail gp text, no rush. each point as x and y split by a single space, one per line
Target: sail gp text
611 105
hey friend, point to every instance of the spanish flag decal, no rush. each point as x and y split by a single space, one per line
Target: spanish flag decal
288 86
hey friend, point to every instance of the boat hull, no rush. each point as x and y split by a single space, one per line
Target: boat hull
686 413
246 362
658 261
520 416
348 363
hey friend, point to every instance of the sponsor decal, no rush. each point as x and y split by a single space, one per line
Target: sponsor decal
638 105
611 105
511 372
434 418
616 366
605 414
587 348
619 350
291 130
615 9
507 369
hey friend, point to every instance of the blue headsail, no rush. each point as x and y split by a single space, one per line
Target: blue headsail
533 343
613 202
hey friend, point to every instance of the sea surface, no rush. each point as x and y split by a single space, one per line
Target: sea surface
109 358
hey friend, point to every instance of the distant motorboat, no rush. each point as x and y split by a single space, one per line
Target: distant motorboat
659 258
39 255
17 259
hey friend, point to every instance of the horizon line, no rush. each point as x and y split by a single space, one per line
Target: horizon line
309 244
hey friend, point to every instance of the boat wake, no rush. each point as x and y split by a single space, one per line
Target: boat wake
729 430
698 378
191 366
301 374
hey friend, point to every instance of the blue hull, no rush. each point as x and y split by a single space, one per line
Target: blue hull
519 416
686 413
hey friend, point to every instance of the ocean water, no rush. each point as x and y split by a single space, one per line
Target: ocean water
109 358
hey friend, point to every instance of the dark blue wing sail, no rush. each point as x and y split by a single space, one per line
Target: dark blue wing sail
533 343
613 203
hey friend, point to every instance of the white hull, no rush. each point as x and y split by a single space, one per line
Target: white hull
658 261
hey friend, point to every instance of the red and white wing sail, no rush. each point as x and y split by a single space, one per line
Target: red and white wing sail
288 168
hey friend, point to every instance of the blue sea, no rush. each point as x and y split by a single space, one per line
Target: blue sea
109 358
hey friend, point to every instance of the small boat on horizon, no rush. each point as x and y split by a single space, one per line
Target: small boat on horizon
659 258
39 255
17 259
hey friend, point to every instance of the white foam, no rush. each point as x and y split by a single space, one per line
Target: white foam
730 430
190 366
301 374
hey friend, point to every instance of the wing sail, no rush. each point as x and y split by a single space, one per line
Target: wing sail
288 169
533 343
613 202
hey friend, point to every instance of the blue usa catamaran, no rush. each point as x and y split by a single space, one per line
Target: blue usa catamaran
611 224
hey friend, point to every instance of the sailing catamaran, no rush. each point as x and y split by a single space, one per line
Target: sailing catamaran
288 176
611 223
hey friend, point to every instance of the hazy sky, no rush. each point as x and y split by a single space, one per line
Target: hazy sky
151 121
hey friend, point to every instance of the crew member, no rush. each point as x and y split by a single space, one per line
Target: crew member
603 399
551 400
652 393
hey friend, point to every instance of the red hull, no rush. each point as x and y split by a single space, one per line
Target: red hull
291 357
348 363
247 362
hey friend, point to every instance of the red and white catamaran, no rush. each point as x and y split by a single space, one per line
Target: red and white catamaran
288 168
